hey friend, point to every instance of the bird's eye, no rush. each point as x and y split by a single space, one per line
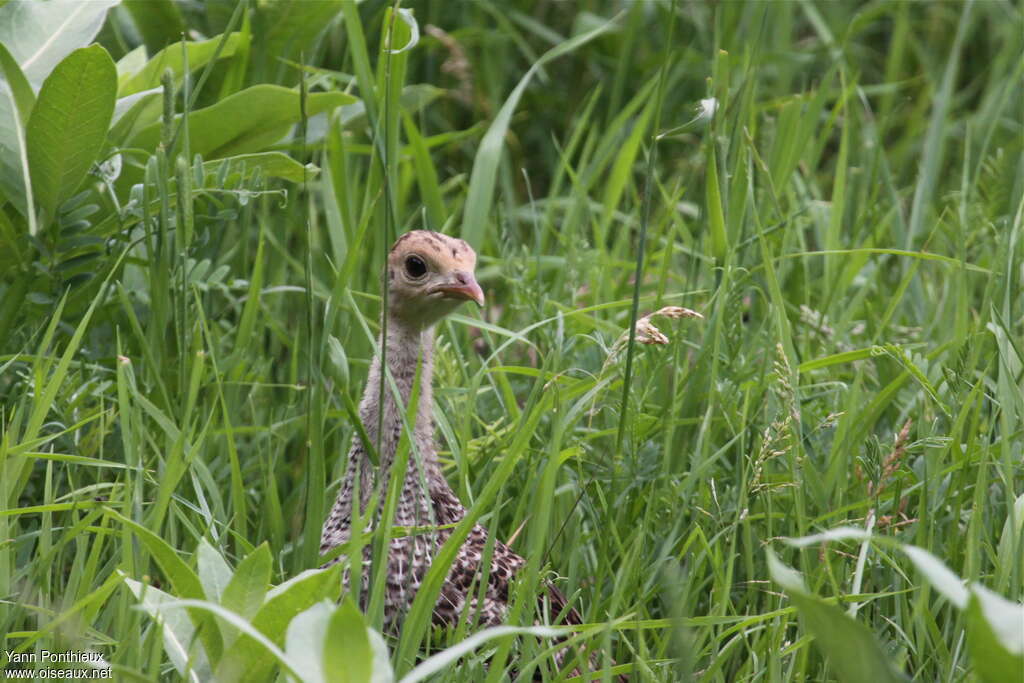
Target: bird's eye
415 267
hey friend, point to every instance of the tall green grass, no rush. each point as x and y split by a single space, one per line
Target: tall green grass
180 361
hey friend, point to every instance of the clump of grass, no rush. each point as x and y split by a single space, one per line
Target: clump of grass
183 345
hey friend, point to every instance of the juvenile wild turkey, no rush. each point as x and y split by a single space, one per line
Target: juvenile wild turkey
428 276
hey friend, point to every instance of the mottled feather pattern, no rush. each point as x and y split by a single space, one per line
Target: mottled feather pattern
411 556
420 294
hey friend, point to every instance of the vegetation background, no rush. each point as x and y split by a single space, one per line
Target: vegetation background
187 315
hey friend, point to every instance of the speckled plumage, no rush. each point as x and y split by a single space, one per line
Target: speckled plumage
415 305
426 498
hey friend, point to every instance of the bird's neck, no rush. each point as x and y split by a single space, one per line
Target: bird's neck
405 349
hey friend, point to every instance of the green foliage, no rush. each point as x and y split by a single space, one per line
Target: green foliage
250 120
36 37
159 21
995 626
136 74
485 165
66 131
226 623
995 635
848 644
190 251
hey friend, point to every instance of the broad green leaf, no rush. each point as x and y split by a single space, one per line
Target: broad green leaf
449 656
347 655
16 103
270 164
245 592
159 21
247 659
245 122
185 652
849 646
14 79
938 575
304 641
288 29
41 34
183 580
382 671
995 635
214 572
485 165
134 112
130 64
784 575
171 57
266 646
69 124
125 105
326 645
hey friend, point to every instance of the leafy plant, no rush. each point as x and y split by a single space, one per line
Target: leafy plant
994 625
74 165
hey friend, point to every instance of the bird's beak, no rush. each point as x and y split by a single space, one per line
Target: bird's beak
462 285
